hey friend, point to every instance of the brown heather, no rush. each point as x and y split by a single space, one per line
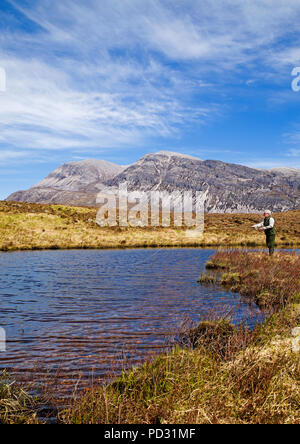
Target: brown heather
25 226
220 373
269 281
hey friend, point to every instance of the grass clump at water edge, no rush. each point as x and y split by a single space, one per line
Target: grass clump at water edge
218 373
16 405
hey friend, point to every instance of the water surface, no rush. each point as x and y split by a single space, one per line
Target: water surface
86 311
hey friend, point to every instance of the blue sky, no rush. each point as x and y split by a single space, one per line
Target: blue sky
115 79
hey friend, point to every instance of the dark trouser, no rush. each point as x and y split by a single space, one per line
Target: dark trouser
271 243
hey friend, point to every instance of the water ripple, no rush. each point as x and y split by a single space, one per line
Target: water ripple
80 310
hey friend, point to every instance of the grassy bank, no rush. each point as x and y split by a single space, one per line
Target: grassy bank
227 374
33 226
16 405
218 373
268 281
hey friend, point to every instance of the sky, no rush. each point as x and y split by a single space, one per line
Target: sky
116 79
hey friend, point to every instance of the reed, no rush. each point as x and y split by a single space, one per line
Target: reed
16 405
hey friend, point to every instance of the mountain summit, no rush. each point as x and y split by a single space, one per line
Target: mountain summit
230 187
73 183
172 154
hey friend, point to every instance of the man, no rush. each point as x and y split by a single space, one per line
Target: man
268 226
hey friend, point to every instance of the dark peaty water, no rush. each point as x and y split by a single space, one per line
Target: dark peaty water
81 311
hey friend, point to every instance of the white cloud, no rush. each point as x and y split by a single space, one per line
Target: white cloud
288 56
223 33
292 138
7 155
295 152
94 74
220 31
270 164
42 109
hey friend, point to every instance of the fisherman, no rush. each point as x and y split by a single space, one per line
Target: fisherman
268 226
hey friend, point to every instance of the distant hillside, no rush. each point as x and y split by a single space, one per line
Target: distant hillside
230 188
73 183
30 226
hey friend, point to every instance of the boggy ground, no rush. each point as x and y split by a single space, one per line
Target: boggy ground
26 226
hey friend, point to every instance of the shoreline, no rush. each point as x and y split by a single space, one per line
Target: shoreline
37 227
149 247
163 247
227 375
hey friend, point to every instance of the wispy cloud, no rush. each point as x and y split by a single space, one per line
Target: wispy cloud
87 97
105 74
269 164
8 155
42 108
294 152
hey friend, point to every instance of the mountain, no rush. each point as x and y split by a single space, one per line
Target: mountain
229 187
75 176
286 171
73 183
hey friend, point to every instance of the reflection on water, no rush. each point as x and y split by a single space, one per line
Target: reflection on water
82 310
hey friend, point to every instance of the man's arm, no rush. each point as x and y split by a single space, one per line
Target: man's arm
258 225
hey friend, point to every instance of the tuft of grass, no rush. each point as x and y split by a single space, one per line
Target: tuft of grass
210 265
208 278
257 384
269 281
16 405
27 226
230 279
218 374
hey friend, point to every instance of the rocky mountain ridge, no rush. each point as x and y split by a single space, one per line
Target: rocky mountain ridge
230 188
